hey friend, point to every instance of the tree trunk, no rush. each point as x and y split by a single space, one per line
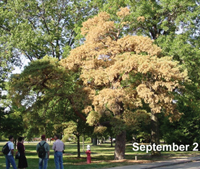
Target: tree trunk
111 141
102 140
83 142
154 133
94 141
120 144
78 146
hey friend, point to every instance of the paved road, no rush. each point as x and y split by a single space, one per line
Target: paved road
179 163
192 165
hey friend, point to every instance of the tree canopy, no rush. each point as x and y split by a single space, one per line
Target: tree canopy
35 28
122 72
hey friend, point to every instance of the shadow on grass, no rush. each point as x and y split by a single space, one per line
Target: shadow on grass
102 157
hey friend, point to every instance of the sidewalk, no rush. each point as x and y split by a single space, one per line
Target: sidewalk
160 163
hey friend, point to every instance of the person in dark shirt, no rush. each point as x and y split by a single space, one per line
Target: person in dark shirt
43 162
22 163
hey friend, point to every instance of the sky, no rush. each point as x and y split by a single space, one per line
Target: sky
18 69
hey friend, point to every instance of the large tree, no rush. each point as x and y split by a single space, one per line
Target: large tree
174 26
35 28
122 73
44 93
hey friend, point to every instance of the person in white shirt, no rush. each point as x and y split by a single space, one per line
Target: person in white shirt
58 147
9 157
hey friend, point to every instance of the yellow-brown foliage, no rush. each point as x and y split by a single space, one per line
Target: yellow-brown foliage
123 12
107 59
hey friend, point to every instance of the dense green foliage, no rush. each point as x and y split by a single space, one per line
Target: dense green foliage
37 28
40 94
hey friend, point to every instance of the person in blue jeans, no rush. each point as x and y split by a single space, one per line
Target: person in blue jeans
43 162
9 157
58 147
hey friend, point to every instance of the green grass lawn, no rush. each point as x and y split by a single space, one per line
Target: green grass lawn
102 156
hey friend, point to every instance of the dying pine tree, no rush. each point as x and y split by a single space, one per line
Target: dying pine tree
121 73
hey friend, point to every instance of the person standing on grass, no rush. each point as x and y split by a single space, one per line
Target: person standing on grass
58 147
43 152
22 164
9 156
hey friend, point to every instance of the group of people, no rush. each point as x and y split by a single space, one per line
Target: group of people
42 146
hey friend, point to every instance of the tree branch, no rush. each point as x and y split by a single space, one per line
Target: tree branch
6 29
75 110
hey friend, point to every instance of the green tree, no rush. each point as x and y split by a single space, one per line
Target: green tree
13 125
75 129
2 98
5 106
186 130
35 28
44 93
